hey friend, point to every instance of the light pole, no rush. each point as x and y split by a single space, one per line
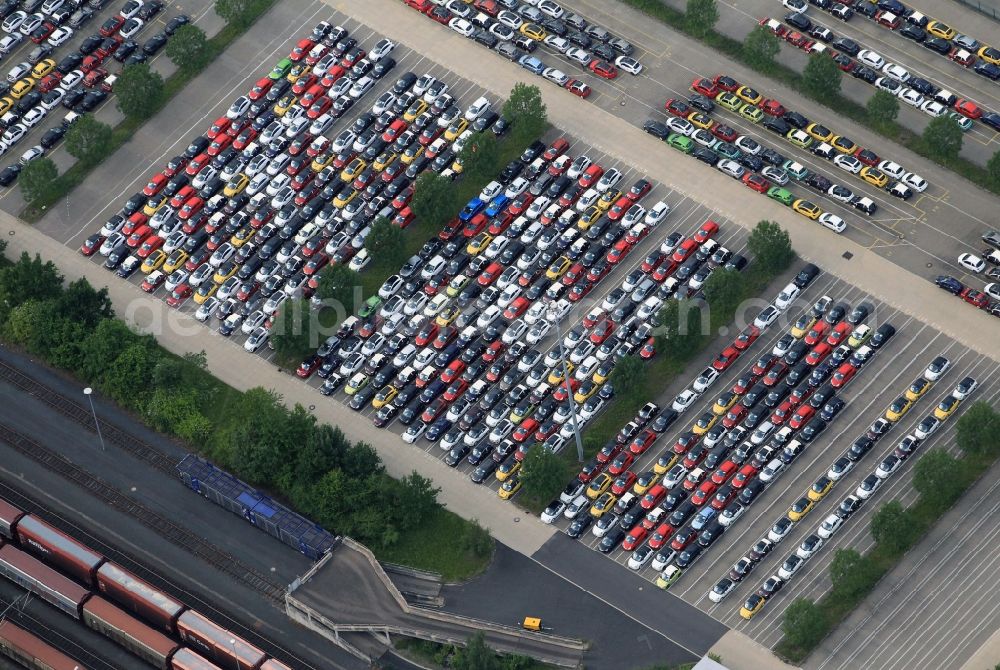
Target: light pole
97 424
554 318
232 642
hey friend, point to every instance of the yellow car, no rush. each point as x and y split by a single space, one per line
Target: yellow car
508 468
153 204
861 334
344 198
644 482
384 160
603 504
753 604
457 285
153 262
989 54
22 88
558 268
807 209
296 72
456 128
457 166
42 68
6 104
942 30
584 393
242 236
384 396
323 161
204 292
700 120
478 243
898 409
724 403
668 460
414 110
356 383
521 413
556 376
412 153
286 103
509 488
601 375
610 197
175 261
353 169
704 423
918 388
448 316
819 132
728 101
747 94
225 271
800 508
236 185
874 176
803 326
820 488
599 485
751 113
534 31
844 145
589 217
947 407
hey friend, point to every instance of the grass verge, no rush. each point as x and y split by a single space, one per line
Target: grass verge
422 547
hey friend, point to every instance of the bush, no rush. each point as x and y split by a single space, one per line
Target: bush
700 17
821 77
88 140
803 623
893 527
760 47
943 138
771 246
977 432
139 91
38 180
882 108
189 49
241 13
526 112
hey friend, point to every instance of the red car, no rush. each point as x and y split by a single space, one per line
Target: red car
755 182
975 298
618 252
590 175
818 353
781 413
801 416
705 491
776 373
962 57
763 364
684 539
705 87
308 366
524 430
640 188
684 251
707 230
726 358
609 451
302 85
839 333
772 108
641 442
660 536
490 274
91 244
603 69
724 132
649 349
261 88
319 108
968 108
138 235
394 130
843 374
621 463
724 472
455 391
635 537
677 107
623 483
726 83
179 295
112 25
517 308
602 331
684 442
867 157
653 497
556 149
744 476
426 334
155 185
723 498
666 269
817 333
746 338
453 371
735 416
149 245
578 88
153 281
300 50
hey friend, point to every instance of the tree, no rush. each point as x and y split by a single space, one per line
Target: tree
80 303
38 180
804 624
892 526
724 291
821 77
700 17
476 655
101 345
88 140
760 47
993 168
188 48
852 574
977 431
542 474
771 246
935 476
123 372
385 243
337 286
476 539
292 333
432 201
139 90
28 279
416 499
680 335
526 112
480 156
628 375
882 107
239 12
943 137
322 452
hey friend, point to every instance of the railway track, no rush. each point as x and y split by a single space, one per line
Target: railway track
82 415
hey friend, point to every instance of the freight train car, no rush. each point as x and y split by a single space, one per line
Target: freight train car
185 659
138 597
31 652
58 549
217 643
33 575
272 664
9 516
151 646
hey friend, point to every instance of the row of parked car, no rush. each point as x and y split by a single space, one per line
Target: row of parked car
870 66
832 523
988 263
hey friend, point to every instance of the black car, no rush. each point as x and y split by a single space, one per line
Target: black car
847 46
90 44
610 541
798 21
812 429
656 129
796 119
942 46
9 174
69 63
150 9
864 73
882 335
579 525
175 23
52 137
988 70
912 32
124 50
777 125
806 275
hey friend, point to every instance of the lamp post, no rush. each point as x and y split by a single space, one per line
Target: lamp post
232 643
554 318
97 424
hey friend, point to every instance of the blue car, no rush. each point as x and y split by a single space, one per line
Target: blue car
472 208
497 205
703 517
949 284
531 64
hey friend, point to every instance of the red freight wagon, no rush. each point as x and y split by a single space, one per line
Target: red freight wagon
272 664
217 643
42 580
31 652
185 659
9 516
151 646
138 597
58 549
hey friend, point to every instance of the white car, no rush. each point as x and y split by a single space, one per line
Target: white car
731 168
797 6
894 170
840 468
257 339
776 175
640 557
629 64
731 514
866 489
830 525
60 36
414 431
937 367
972 263
462 27
560 44
933 108
238 108
791 565
833 222
477 109
888 466
787 296
381 49
657 213
579 505
912 98
772 471
684 400
578 55
809 547
897 72
779 531
848 163
707 377
552 512
926 428
767 316
915 181
965 387
871 59
610 179
721 590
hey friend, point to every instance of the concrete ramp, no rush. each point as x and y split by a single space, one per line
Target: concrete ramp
348 591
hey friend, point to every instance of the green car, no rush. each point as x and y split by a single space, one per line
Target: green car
729 101
666 578
795 170
281 69
369 307
782 195
799 138
751 113
727 150
680 142
964 122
